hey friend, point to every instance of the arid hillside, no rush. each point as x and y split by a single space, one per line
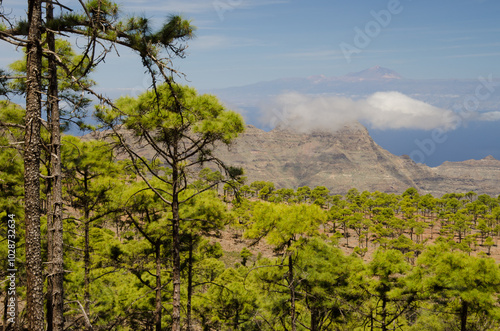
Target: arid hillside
350 158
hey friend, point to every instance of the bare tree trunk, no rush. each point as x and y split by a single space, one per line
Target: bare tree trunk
314 319
34 293
55 226
158 306
50 269
463 316
176 267
176 313
384 313
86 262
190 283
291 283
236 320
86 253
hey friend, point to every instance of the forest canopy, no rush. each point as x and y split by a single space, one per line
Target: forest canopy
139 225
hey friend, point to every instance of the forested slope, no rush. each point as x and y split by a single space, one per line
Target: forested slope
263 258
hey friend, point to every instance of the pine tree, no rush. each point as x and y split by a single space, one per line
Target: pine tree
182 128
458 284
286 228
99 21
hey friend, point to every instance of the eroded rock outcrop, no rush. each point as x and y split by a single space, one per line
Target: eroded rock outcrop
350 158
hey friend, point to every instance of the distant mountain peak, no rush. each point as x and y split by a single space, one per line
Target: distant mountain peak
374 73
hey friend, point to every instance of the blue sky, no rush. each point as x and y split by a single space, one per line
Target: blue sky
240 42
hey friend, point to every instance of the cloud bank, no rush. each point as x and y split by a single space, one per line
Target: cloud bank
381 110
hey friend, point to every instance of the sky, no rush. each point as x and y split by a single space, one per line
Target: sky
242 42
239 42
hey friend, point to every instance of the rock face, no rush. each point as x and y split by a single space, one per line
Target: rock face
480 176
350 158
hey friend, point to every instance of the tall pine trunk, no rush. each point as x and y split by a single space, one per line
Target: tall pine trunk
176 268
176 256
314 319
463 316
34 275
158 306
291 283
384 311
55 302
86 258
190 283
50 216
86 262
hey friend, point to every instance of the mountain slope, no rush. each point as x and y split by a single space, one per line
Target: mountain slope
480 176
350 158
257 99
343 160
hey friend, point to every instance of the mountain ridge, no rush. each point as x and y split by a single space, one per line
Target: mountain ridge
254 102
373 73
349 158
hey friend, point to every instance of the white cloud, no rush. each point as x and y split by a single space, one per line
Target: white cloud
491 116
382 110
394 110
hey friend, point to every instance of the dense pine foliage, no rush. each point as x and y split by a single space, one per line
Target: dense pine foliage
142 227
311 260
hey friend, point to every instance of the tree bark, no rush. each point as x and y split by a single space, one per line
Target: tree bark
55 226
463 316
384 312
86 262
176 313
158 306
190 283
50 216
176 265
314 319
34 293
291 283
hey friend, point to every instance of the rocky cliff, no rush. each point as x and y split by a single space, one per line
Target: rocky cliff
350 158
481 176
